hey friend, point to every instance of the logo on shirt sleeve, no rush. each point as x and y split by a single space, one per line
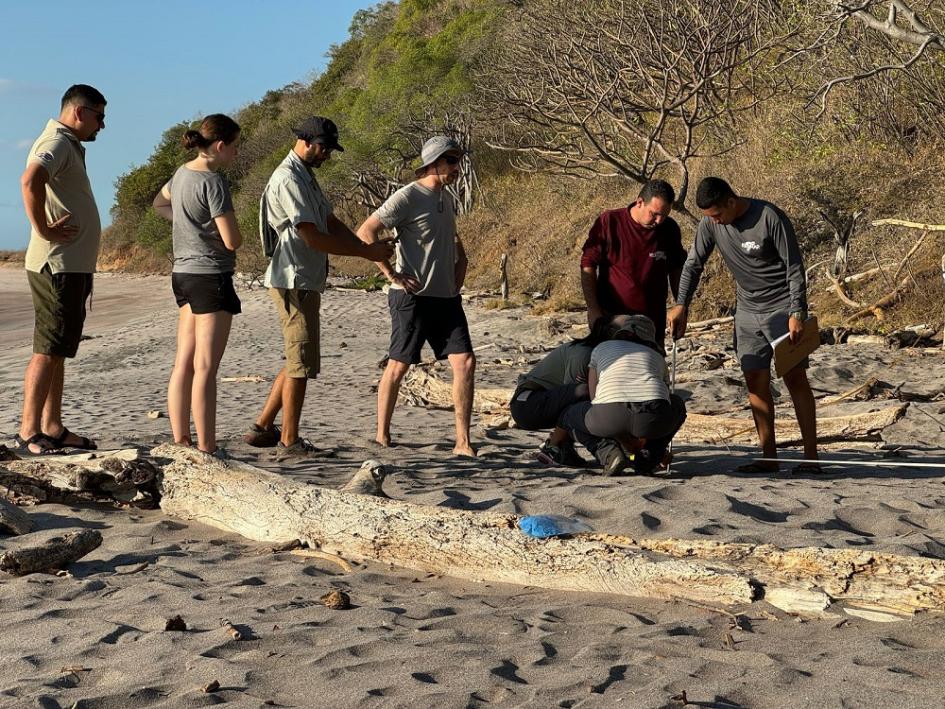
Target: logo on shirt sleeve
44 156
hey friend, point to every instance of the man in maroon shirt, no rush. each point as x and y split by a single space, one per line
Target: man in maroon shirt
631 255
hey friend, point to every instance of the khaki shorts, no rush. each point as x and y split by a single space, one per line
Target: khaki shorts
59 303
298 313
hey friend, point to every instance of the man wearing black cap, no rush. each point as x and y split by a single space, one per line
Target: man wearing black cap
297 221
424 300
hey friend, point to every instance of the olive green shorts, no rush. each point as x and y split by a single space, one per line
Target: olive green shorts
298 313
59 303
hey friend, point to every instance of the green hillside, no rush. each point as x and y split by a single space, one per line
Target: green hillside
563 92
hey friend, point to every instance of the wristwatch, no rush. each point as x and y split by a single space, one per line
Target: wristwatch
799 314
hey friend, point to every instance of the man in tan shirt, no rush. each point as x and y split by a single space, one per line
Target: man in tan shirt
60 261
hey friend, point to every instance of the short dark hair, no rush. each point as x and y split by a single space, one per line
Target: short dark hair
712 192
82 94
657 188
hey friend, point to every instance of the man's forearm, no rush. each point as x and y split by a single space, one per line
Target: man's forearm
34 200
589 286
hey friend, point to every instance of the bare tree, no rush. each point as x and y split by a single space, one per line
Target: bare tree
895 40
628 89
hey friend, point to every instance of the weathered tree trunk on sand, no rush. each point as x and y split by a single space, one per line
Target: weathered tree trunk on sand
700 428
53 554
470 545
877 583
422 388
13 520
116 475
489 547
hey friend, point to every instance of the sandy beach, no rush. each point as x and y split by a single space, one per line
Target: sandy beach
95 637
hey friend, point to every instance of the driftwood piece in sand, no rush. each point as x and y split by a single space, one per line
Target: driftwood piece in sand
489 547
477 546
421 388
909 225
13 520
700 428
55 553
882 583
116 475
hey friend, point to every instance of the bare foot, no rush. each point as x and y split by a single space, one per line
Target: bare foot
382 441
465 452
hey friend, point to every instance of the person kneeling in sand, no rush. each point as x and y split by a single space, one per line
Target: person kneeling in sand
424 300
558 381
630 404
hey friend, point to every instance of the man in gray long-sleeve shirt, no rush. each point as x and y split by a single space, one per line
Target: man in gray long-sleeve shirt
758 244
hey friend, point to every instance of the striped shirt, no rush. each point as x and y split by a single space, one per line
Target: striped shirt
628 372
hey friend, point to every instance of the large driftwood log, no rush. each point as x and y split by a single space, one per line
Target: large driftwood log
55 553
471 545
700 428
116 475
488 547
13 520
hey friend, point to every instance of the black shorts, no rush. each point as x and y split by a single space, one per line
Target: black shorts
59 303
206 292
416 319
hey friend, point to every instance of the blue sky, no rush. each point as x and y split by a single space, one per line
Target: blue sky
156 64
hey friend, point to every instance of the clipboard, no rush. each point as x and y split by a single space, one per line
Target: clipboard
788 355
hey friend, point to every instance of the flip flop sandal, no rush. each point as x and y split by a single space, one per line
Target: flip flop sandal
47 445
86 444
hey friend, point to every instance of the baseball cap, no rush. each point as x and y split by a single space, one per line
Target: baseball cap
319 129
640 326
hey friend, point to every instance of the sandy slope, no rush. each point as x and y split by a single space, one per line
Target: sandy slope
435 642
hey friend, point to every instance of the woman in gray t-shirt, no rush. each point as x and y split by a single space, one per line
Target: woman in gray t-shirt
197 200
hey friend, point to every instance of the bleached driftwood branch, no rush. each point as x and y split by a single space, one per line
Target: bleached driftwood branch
489 547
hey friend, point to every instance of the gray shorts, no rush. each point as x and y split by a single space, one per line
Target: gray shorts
754 334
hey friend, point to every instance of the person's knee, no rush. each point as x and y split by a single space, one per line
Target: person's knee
396 370
796 379
464 365
758 381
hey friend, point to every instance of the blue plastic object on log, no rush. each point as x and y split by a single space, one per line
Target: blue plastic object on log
544 526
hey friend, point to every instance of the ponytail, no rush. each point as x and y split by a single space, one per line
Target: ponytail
213 128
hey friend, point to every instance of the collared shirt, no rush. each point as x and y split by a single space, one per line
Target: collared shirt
68 192
293 197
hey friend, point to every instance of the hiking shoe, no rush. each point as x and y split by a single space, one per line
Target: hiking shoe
260 437
560 455
613 458
301 448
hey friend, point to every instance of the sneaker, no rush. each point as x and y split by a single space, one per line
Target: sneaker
570 456
560 455
260 437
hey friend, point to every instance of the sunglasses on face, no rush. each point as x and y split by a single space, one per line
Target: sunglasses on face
451 160
99 115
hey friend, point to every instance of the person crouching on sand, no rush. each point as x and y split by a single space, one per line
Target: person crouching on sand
206 236
630 404
558 381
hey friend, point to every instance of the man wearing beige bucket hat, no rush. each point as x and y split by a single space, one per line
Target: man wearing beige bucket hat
424 300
